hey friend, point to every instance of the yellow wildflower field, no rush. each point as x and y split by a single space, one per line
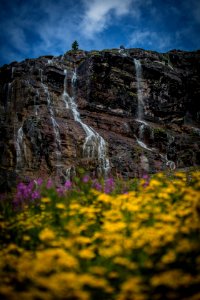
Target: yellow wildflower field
140 245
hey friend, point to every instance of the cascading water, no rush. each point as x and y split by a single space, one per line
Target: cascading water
65 95
140 115
13 70
122 52
9 89
140 107
68 173
94 145
41 75
196 130
54 123
169 163
36 108
19 148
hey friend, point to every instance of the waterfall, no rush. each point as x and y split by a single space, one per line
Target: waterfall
68 173
169 163
94 144
13 70
143 145
19 148
196 130
8 94
41 75
122 52
65 95
140 116
54 123
35 105
140 107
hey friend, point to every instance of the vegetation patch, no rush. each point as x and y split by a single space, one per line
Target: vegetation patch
102 239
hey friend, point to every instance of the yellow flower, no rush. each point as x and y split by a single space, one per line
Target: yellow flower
131 289
26 238
87 253
169 257
83 240
163 195
95 282
155 183
46 235
62 284
123 261
42 206
114 226
112 251
49 261
113 275
60 206
172 278
185 246
75 206
132 207
105 198
98 270
45 200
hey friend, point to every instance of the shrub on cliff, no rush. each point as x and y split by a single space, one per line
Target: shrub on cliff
75 45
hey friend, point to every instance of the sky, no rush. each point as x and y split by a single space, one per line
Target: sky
32 28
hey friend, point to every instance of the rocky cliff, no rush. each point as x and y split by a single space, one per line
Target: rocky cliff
120 112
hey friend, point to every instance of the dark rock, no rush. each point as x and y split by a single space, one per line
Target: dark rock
41 136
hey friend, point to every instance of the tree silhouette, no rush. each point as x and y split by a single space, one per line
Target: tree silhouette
75 45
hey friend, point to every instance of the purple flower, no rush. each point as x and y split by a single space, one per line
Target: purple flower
26 192
107 190
39 181
31 185
35 195
97 186
68 184
86 178
110 181
145 176
49 184
60 190
109 185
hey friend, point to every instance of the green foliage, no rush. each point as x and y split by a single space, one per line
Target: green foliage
159 130
75 45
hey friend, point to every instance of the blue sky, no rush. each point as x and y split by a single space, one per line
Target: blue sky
30 28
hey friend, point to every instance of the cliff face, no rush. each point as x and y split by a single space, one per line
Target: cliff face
116 111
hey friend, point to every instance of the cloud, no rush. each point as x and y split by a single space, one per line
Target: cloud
149 39
58 27
97 15
39 28
18 39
